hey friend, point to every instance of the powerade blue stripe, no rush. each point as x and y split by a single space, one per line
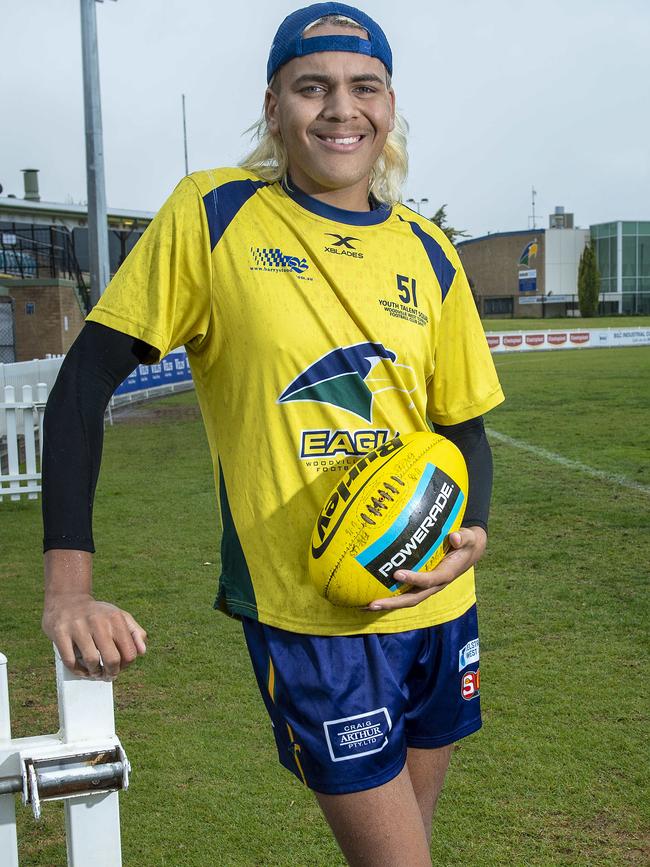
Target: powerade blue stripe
401 521
223 204
443 532
442 267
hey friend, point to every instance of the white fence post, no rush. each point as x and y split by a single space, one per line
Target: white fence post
8 839
12 440
84 764
92 822
41 400
28 431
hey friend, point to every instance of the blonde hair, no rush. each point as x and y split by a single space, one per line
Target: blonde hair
269 158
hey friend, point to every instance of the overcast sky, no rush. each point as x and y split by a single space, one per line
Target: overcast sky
499 96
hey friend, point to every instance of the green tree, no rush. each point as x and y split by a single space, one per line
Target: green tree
588 282
440 219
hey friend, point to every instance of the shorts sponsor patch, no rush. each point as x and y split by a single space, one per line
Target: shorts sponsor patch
353 737
470 684
468 654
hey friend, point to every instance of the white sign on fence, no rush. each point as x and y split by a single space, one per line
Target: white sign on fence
568 338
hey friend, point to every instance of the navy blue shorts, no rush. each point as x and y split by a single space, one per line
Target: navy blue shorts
344 709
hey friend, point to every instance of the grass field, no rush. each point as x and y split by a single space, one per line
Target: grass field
558 775
597 322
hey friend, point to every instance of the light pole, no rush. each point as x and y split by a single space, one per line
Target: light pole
97 217
417 203
187 170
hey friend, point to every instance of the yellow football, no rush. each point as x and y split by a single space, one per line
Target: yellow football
394 509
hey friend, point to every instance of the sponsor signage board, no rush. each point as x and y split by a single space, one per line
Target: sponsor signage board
174 367
528 280
569 338
547 299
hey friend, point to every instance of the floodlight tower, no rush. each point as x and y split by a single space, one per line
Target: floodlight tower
533 218
187 169
418 203
97 216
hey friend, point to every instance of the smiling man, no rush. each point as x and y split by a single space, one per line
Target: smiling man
321 317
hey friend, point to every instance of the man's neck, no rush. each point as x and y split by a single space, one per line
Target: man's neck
353 198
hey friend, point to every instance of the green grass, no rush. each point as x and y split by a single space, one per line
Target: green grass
567 322
558 773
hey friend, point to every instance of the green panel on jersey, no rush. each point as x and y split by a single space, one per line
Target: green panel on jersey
348 391
236 594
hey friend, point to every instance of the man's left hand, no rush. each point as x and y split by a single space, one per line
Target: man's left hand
467 545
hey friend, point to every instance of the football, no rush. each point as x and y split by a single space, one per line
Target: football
393 509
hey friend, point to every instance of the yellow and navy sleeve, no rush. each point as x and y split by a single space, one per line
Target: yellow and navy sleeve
464 383
162 292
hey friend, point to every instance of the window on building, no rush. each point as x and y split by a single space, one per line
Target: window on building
644 253
629 256
498 306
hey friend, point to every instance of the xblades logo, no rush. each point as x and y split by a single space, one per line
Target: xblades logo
343 246
342 241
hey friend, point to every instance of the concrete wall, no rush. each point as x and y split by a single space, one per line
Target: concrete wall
48 316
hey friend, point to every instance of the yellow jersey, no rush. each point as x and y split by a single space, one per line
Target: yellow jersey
314 335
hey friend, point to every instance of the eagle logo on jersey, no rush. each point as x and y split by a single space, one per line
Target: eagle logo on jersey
349 378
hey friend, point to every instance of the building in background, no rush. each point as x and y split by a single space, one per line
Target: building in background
526 273
44 267
535 272
623 257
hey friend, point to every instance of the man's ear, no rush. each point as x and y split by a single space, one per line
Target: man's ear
391 96
271 111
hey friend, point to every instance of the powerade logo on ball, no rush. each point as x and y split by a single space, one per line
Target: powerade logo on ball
353 737
419 529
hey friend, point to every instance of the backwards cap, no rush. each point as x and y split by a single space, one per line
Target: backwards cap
289 42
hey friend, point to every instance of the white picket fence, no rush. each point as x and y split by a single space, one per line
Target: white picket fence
27 373
83 764
23 419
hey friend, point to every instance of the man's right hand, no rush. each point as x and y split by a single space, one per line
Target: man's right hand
95 639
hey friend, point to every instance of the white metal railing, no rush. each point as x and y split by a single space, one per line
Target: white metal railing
23 419
83 764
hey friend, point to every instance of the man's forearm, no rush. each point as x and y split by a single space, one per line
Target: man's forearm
67 573
470 438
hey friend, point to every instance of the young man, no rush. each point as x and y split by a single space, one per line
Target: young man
321 317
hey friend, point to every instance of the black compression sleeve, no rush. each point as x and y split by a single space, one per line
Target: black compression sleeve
98 361
470 438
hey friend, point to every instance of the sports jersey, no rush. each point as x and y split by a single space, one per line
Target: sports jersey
314 335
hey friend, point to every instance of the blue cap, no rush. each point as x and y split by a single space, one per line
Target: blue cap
288 42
